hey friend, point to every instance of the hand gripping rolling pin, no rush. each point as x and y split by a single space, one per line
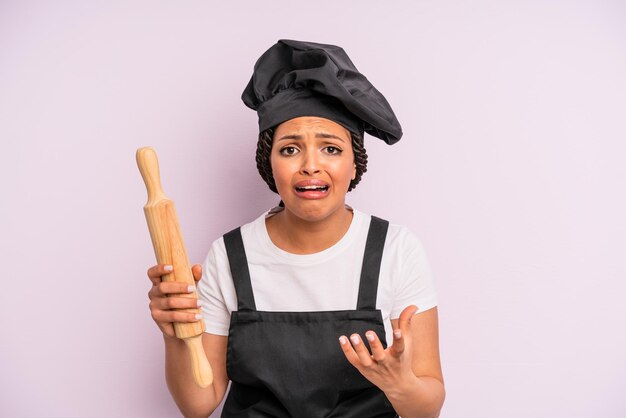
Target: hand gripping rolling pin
169 248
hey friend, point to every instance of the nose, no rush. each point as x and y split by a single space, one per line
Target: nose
310 164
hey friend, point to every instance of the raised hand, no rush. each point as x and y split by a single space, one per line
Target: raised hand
389 368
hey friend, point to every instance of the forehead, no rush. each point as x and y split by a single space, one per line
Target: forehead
311 124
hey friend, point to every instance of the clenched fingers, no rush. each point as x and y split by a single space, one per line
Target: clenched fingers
171 301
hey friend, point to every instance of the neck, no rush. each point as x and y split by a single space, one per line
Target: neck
299 236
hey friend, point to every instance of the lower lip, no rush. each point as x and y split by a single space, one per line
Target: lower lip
312 194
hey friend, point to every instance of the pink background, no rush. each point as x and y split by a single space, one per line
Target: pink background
511 170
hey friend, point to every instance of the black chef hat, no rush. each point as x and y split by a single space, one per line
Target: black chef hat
295 78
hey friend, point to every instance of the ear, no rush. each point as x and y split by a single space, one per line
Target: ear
354 172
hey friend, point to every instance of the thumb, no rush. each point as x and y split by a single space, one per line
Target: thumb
403 331
404 321
196 270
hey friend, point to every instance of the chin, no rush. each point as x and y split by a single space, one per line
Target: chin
312 212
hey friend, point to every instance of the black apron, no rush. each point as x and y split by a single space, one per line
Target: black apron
290 364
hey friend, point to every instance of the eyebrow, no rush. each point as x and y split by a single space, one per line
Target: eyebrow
317 135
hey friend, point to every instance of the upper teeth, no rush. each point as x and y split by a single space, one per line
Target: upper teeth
311 187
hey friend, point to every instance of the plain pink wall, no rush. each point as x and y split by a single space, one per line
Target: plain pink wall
511 171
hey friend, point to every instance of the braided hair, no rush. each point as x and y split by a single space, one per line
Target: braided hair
264 150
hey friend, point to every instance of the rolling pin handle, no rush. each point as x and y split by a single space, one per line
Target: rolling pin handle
202 372
148 164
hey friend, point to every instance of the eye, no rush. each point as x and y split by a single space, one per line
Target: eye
288 150
332 150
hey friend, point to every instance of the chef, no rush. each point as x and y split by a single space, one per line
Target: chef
314 309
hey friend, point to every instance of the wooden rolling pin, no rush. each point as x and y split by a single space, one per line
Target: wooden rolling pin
169 248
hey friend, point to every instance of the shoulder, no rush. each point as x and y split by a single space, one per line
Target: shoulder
248 229
403 239
399 238
252 234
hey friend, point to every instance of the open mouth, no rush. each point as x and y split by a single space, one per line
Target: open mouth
312 189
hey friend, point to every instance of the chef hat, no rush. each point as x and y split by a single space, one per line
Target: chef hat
295 78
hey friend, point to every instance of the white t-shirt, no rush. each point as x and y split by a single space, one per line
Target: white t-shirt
324 281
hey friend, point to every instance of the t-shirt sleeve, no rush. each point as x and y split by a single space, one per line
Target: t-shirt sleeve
214 291
416 285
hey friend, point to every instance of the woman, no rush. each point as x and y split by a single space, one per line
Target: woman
290 299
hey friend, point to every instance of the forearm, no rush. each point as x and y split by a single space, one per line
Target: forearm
192 400
421 398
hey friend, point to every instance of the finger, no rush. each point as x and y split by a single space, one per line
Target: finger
196 270
169 288
168 329
348 351
161 317
397 347
166 289
156 272
361 351
175 303
378 351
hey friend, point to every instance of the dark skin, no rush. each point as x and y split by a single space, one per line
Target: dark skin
310 149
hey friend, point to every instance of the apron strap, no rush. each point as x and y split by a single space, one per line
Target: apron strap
239 270
368 286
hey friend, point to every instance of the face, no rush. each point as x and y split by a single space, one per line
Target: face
313 164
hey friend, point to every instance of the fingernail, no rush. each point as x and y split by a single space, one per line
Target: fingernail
370 337
199 303
343 340
168 268
191 288
198 316
355 340
397 334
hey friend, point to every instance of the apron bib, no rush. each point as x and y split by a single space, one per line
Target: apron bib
290 364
